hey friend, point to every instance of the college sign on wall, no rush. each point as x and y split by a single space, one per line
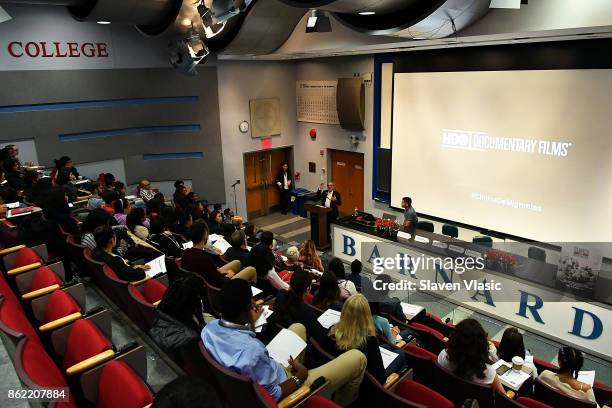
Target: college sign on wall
57 49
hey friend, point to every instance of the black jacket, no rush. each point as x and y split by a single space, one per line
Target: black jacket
176 339
118 265
167 243
280 178
322 194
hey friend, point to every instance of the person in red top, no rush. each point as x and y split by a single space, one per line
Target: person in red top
109 198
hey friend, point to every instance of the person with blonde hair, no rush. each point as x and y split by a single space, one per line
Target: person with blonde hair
309 256
355 331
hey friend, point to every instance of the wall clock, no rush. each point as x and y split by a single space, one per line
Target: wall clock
244 126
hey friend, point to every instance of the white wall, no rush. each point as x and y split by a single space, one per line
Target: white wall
240 82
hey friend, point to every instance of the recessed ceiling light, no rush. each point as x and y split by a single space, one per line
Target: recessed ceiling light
103 22
367 13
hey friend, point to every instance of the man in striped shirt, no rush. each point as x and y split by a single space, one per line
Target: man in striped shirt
145 191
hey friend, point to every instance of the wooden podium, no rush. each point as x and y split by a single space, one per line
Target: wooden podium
318 225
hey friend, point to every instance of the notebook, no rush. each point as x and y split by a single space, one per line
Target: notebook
158 265
286 344
329 318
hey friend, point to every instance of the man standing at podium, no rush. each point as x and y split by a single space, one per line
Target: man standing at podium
283 182
330 198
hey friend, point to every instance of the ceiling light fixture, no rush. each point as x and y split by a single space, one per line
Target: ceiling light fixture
367 13
318 22
103 22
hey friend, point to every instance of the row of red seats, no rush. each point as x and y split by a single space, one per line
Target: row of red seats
95 369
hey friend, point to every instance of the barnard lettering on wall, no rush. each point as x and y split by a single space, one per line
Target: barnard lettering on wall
57 49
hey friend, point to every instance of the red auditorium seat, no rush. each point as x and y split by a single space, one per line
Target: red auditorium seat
60 304
549 395
503 401
38 282
421 361
458 390
35 368
235 390
145 299
120 386
420 394
433 340
21 258
78 350
13 321
542 365
315 401
531 403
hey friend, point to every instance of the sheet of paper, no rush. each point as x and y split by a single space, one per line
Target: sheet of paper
397 337
587 377
329 318
130 197
79 182
286 344
11 214
529 359
222 245
158 265
255 291
387 357
411 310
188 244
13 205
514 379
214 237
263 319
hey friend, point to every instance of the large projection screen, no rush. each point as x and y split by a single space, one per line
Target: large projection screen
526 153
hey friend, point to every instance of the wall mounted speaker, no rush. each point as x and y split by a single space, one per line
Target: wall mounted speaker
350 103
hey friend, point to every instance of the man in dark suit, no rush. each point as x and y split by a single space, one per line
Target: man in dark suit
330 198
284 183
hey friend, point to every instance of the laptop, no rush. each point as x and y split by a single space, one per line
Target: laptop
387 216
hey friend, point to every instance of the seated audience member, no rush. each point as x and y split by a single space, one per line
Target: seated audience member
179 317
237 222
96 218
164 240
64 163
109 197
135 221
216 223
95 201
6 189
390 333
30 178
565 380
57 214
145 191
309 256
187 392
261 258
198 260
180 194
388 305
122 209
232 343
183 221
328 295
467 354
8 236
107 182
39 191
228 214
358 280
120 188
347 288
13 176
63 181
512 345
106 240
10 152
292 263
249 230
238 250
355 331
290 307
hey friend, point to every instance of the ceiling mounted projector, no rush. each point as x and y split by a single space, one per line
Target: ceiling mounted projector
4 16
318 22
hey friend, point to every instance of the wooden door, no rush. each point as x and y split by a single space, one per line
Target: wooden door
260 170
347 174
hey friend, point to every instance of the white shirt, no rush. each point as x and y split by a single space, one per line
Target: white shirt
328 199
285 182
489 373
